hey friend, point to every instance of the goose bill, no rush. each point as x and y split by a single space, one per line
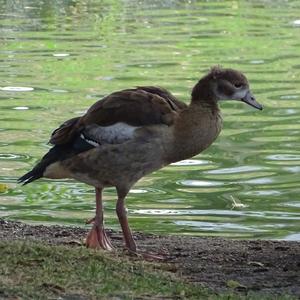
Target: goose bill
250 99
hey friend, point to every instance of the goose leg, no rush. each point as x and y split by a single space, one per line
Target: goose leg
128 238
97 237
122 215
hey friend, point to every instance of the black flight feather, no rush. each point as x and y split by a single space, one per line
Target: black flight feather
56 153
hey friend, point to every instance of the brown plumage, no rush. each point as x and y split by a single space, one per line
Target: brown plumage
146 105
134 132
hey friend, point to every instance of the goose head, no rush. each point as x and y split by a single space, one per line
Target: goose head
224 84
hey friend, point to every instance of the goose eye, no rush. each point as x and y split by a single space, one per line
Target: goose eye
238 85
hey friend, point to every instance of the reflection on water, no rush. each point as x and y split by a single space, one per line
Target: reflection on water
58 57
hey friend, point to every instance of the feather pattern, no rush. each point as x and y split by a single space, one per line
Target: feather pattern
112 120
114 134
136 107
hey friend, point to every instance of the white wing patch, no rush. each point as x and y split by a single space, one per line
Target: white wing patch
93 143
114 134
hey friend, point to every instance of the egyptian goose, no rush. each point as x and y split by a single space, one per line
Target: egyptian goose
131 133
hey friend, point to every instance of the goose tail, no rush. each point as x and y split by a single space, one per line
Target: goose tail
34 174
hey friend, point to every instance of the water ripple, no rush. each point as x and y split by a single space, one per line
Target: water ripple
16 89
234 170
245 185
200 183
191 162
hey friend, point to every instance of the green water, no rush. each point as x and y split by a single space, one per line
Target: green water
59 57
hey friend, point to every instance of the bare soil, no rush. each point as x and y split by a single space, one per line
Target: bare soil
270 267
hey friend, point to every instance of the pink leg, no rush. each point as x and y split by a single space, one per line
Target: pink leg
128 238
122 215
97 237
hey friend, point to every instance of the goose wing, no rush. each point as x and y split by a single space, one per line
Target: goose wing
111 120
116 116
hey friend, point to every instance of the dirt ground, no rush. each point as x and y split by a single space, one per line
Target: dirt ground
271 267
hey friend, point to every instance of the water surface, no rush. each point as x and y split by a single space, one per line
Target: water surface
59 57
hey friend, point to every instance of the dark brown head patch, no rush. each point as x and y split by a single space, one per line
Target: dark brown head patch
233 76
